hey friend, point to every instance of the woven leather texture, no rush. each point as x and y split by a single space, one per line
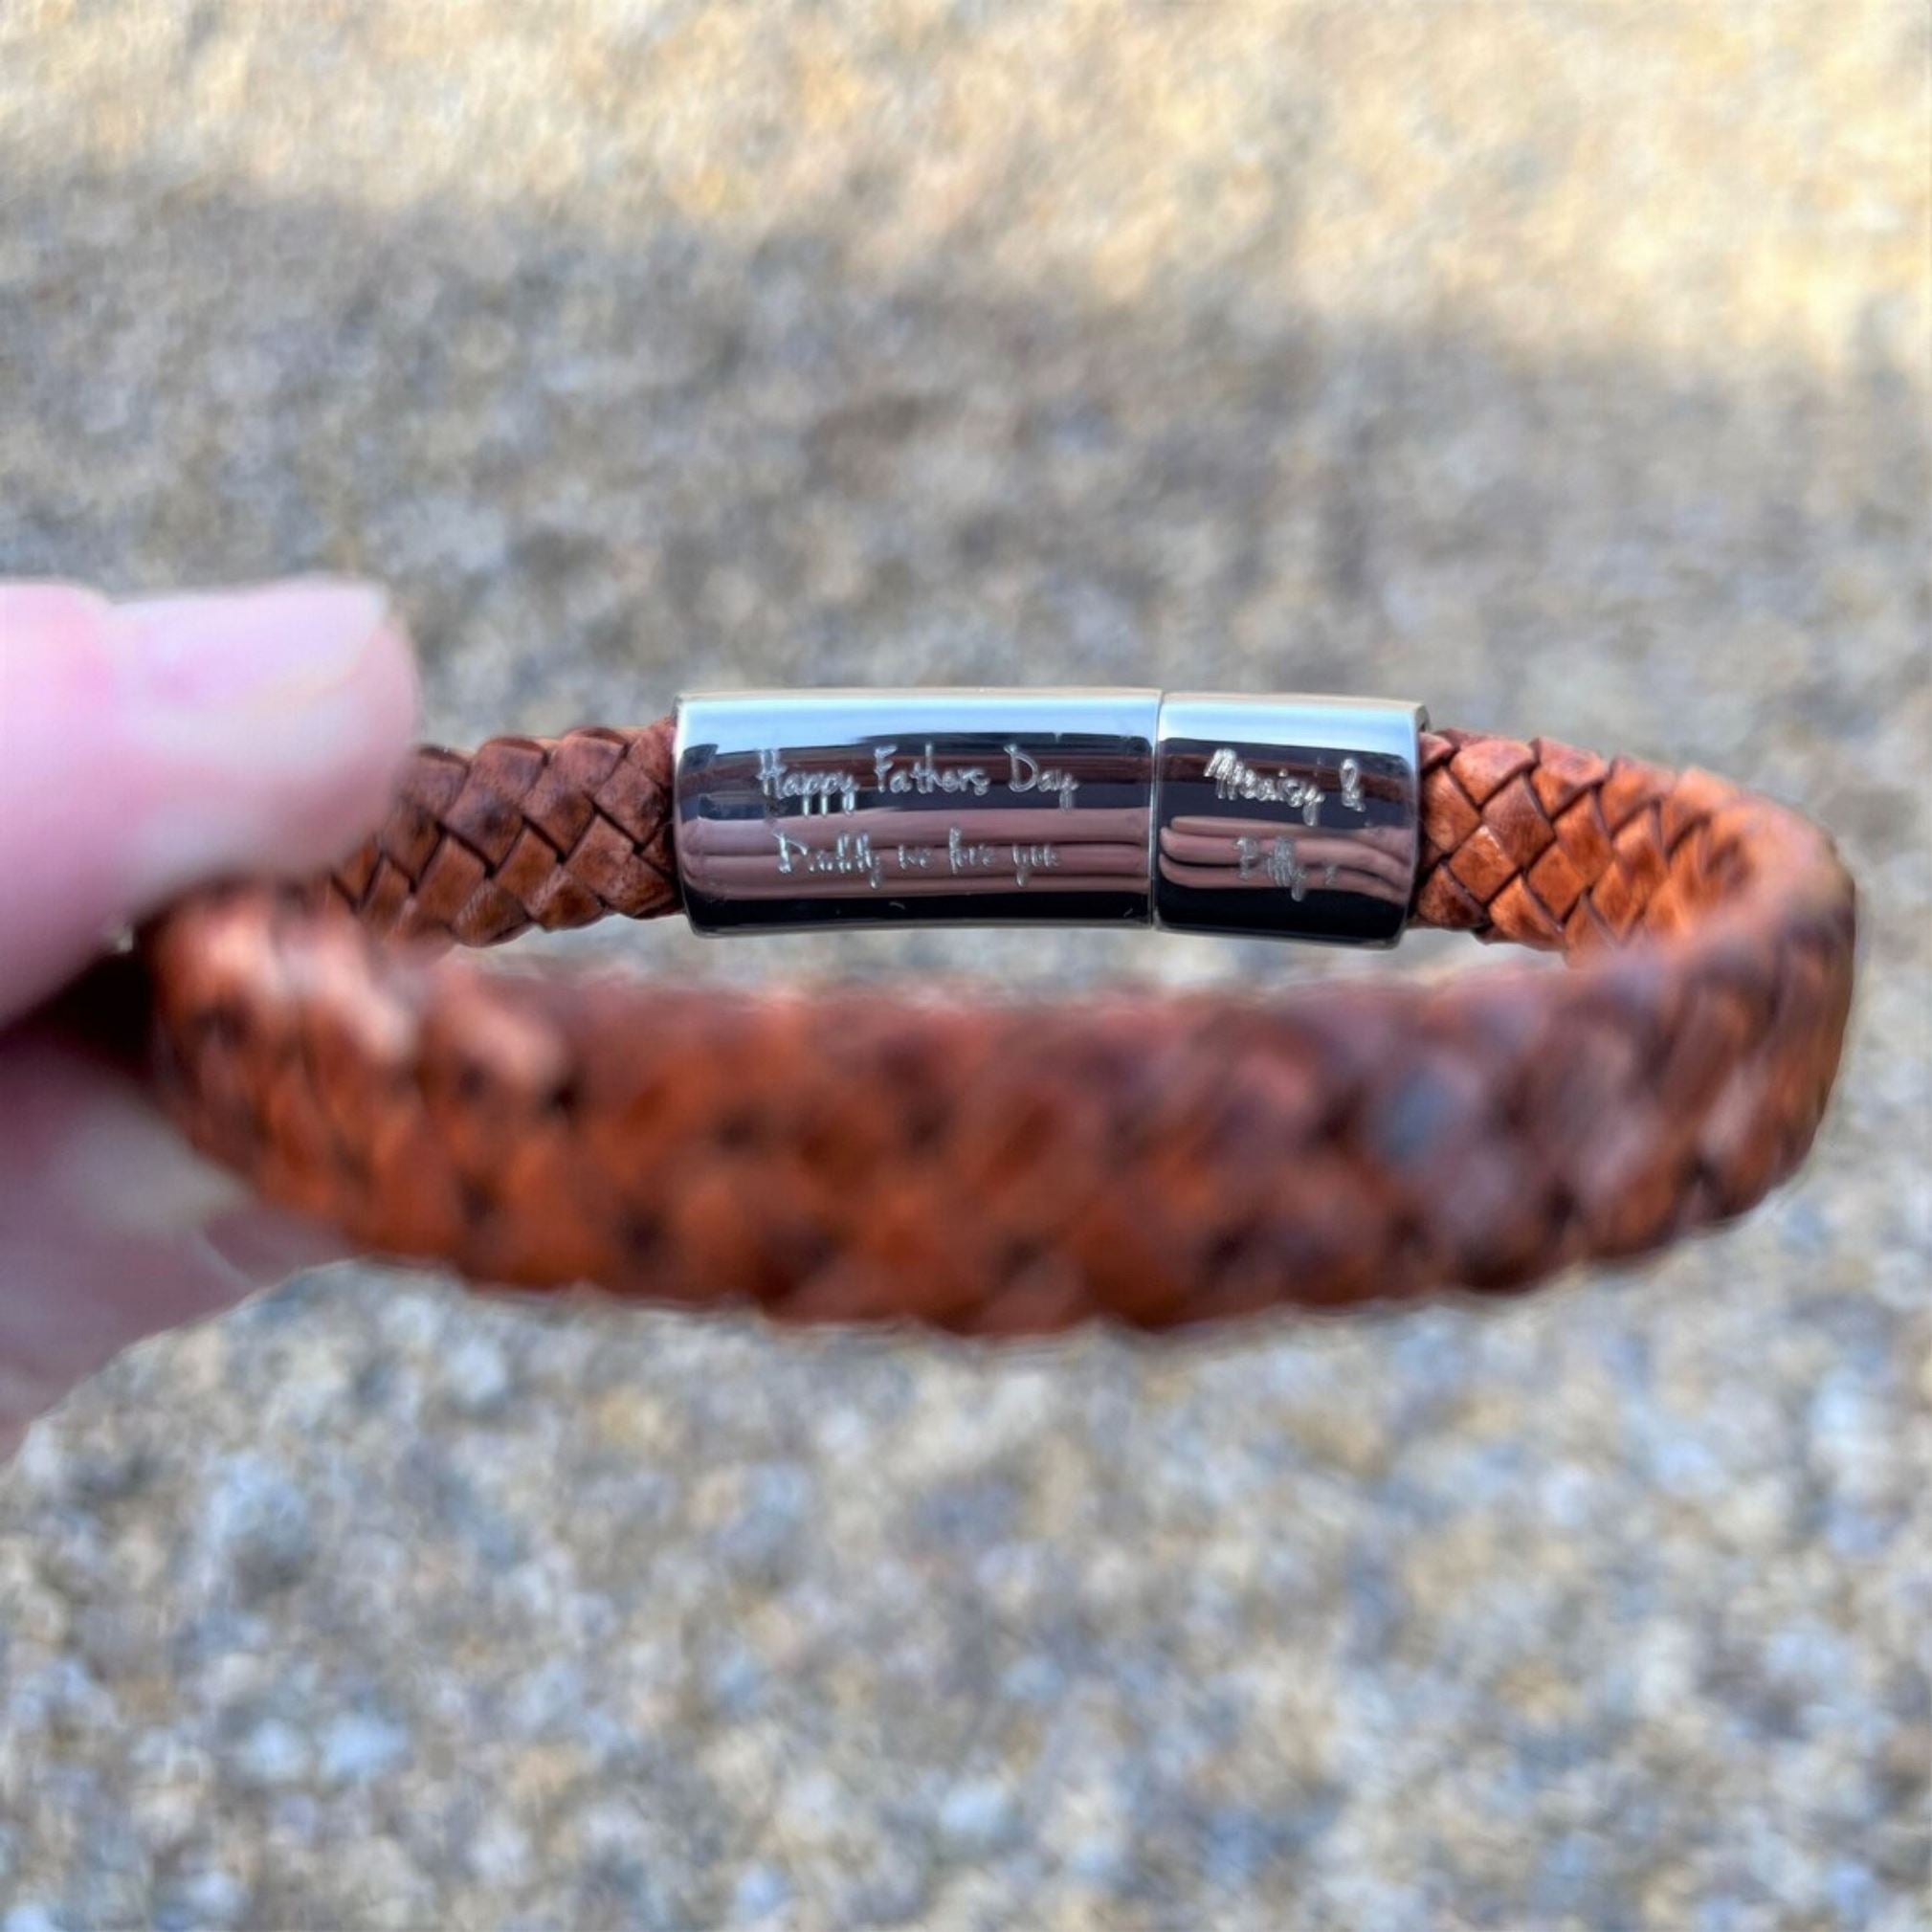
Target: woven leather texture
1000 1168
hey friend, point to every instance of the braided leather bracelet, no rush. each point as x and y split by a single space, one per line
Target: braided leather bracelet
1154 1158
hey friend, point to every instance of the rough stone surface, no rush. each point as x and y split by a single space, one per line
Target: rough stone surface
1564 367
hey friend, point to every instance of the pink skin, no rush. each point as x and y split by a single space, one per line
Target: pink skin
144 746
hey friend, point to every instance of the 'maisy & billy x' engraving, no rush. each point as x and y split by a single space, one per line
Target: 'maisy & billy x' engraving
1277 859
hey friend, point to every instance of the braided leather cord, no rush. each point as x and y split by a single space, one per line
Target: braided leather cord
1008 1168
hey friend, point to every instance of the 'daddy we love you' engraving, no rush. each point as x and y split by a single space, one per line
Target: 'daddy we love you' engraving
854 854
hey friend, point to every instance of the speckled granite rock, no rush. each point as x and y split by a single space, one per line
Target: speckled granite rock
1564 367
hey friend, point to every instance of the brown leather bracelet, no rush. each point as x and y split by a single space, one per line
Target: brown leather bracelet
1017 1167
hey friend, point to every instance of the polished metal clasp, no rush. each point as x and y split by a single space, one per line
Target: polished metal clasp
1282 816
1296 817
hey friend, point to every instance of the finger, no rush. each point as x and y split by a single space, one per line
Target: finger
144 746
110 1227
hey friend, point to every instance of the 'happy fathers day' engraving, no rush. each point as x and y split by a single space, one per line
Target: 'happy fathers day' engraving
921 775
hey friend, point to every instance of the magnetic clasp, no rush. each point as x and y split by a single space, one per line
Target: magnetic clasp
1294 817
1287 818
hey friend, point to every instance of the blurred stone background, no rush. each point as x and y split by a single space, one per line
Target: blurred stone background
1565 365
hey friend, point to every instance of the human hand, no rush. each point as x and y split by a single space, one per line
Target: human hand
146 747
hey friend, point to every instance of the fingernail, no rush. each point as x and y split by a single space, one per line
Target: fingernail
259 729
225 655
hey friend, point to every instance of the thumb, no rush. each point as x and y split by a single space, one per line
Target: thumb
145 747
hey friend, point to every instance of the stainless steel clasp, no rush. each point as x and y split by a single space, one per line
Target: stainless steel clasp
1296 817
1287 815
